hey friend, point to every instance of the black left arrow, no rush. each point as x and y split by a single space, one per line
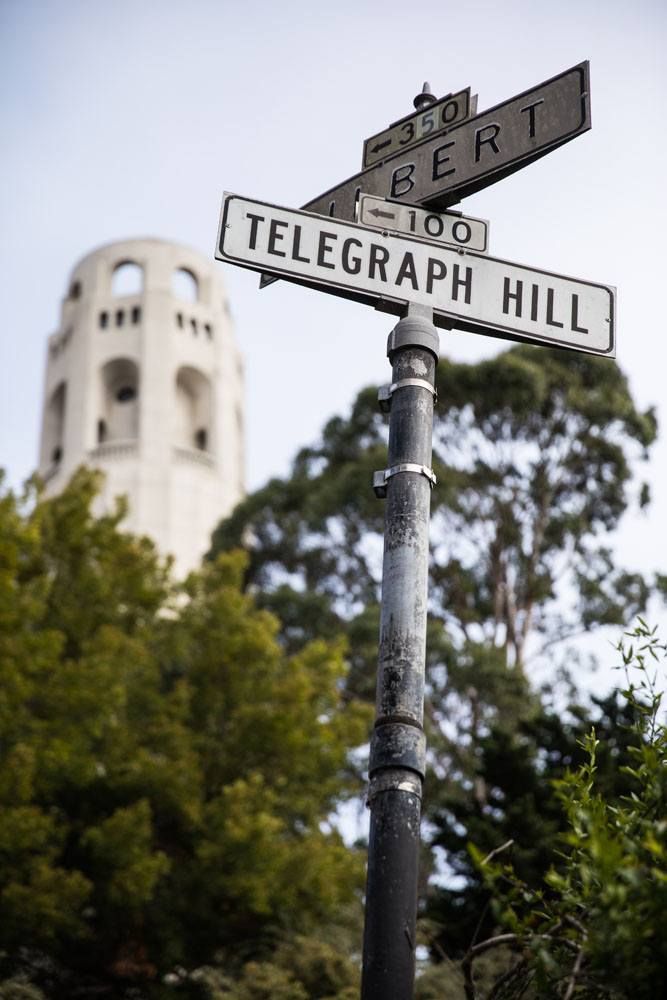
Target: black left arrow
380 145
379 214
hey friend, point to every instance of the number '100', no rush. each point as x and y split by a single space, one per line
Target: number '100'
434 225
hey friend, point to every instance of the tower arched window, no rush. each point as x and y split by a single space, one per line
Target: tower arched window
127 278
119 408
193 410
184 285
54 426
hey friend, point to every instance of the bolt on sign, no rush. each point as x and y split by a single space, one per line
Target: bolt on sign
470 291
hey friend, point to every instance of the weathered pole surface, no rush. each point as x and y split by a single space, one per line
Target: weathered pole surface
397 757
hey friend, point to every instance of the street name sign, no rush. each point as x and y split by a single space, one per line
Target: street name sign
468 290
439 171
449 227
413 128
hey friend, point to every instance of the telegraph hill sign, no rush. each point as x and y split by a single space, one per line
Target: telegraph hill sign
470 291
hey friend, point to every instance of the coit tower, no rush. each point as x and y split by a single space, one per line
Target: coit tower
144 381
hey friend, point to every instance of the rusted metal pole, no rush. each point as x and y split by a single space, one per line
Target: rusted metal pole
398 747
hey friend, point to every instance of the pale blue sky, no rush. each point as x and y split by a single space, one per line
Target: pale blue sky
130 118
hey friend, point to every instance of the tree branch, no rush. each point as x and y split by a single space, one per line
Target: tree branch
503 847
576 969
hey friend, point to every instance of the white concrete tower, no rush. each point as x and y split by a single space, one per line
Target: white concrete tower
144 381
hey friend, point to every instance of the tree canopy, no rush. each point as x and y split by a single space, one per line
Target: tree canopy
167 772
536 454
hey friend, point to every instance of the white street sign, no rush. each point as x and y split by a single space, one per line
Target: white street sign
466 290
447 227
413 128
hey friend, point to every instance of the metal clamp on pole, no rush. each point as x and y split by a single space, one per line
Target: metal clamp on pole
382 476
398 745
413 331
385 392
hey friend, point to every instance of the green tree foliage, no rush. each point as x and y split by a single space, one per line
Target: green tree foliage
595 927
534 452
167 772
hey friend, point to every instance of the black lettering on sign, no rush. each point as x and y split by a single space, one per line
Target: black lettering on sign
466 282
436 270
486 140
449 111
516 296
461 232
550 309
434 225
254 223
378 259
439 161
409 130
351 265
401 180
296 246
275 237
407 270
534 302
530 108
575 316
323 248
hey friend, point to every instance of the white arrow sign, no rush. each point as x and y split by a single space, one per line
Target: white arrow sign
467 290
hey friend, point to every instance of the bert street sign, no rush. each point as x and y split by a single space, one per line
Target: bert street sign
440 171
449 227
413 128
482 150
467 290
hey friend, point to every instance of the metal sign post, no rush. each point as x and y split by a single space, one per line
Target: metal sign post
432 268
398 746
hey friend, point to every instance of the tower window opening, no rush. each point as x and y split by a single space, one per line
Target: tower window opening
75 290
104 320
193 324
184 285
119 405
101 431
208 329
127 278
126 393
193 410
136 314
53 434
179 320
120 317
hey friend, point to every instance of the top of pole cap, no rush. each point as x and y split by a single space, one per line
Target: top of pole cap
425 99
414 331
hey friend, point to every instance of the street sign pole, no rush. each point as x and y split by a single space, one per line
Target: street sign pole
427 282
398 747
